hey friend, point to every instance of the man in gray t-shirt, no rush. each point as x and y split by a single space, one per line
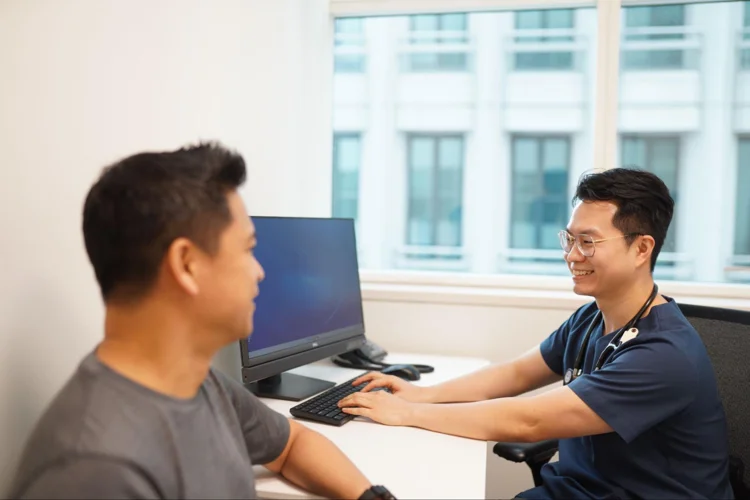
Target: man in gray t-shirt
145 416
133 442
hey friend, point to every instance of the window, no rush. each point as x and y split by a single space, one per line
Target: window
653 38
661 156
539 191
435 190
349 46
471 167
346 159
742 213
446 36
549 28
745 39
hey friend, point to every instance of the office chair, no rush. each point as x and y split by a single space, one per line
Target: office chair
726 335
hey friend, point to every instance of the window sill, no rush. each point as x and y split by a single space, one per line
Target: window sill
522 291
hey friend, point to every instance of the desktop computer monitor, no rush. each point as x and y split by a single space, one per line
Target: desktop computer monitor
309 307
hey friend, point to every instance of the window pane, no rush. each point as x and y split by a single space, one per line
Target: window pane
658 155
540 191
529 19
459 172
425 23
346 160
650 24
555 59
348 25
742 213
450 171
349 36
427 31
559 18
453 22
422 167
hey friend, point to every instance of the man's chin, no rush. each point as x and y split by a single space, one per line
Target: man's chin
580 289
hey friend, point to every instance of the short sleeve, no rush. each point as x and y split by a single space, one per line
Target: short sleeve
90 477
554 347
644 384
266 432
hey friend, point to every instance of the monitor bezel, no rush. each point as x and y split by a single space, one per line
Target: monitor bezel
319 347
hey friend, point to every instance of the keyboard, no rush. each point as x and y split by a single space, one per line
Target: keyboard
323 407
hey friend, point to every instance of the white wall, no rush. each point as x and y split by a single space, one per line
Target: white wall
85 82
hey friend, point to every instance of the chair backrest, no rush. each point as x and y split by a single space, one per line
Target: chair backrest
726 335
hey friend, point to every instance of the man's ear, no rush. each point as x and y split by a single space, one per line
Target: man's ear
182 264
644 247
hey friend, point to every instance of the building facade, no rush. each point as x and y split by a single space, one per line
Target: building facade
459 138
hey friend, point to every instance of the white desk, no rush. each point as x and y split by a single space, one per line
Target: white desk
412 463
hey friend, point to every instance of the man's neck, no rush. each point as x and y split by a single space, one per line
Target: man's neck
155 349
620 308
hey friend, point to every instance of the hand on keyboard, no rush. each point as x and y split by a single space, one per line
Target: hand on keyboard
398 386
379 406
324 407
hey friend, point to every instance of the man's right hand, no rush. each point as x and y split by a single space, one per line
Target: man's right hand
398 386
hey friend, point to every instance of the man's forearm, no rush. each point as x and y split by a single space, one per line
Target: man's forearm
526 373
333 476
490 382
497 420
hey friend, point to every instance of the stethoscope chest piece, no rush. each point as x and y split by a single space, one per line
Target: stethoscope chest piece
568 376
629 334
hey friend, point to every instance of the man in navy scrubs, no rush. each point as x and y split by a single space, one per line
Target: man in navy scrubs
643 420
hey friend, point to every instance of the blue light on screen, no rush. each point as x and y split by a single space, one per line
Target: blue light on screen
312 279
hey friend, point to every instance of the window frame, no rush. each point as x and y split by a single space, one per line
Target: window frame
506 289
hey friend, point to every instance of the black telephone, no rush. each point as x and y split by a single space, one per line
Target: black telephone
370 357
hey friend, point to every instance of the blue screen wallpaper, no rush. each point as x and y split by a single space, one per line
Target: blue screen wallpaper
312 279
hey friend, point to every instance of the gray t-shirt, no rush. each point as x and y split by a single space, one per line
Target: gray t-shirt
105 436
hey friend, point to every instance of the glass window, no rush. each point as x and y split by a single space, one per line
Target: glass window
742 212
457 171
349 43
661 156
552 29
435 190
346 159
474 170
745 39
446 35
681 121
651 35
539 191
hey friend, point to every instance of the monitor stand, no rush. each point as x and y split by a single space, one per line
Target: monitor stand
288 386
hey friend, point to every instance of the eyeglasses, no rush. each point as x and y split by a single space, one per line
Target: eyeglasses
585 243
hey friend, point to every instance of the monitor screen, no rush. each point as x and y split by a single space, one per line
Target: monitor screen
311 292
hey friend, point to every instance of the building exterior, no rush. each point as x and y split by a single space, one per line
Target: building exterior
459 138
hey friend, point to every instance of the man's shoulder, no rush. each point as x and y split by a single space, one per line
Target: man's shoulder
92 415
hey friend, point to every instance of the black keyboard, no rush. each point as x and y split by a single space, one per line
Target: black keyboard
324 407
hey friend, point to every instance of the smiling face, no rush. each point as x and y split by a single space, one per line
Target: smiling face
615 263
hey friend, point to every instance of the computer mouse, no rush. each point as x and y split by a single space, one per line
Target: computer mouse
406 372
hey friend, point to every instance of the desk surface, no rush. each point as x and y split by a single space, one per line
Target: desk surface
412 463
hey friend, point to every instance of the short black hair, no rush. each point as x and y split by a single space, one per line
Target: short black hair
141 204
644 205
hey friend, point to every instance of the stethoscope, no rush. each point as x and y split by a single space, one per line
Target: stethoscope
572 373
